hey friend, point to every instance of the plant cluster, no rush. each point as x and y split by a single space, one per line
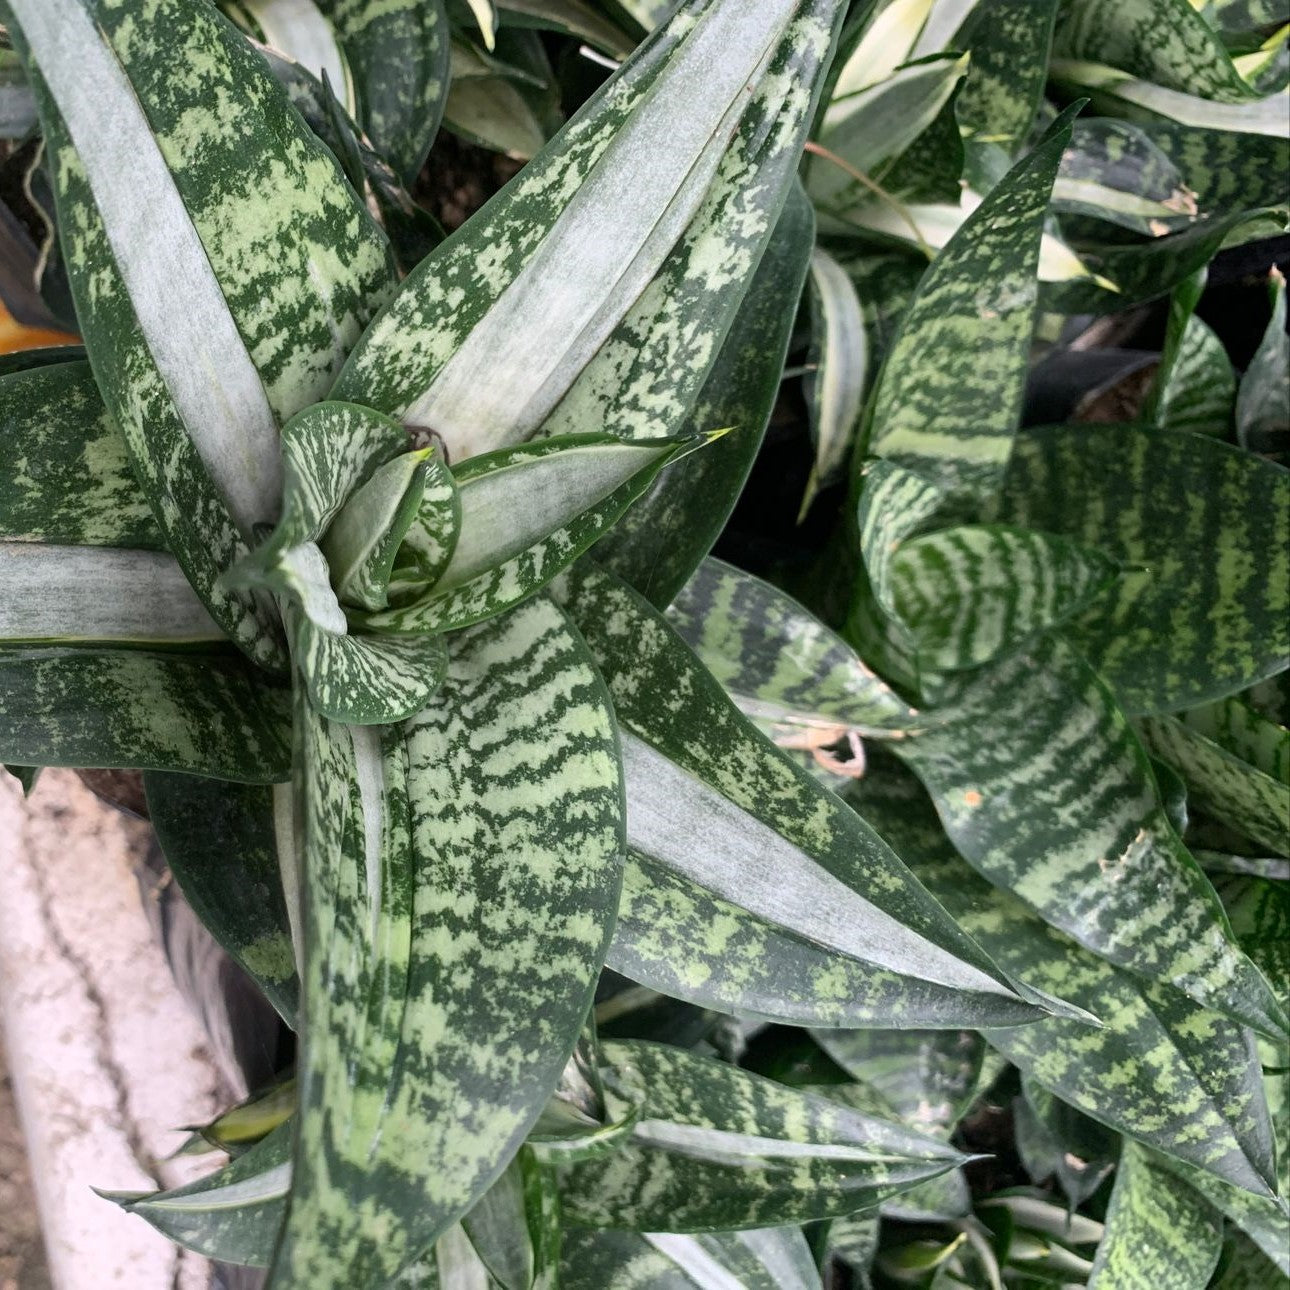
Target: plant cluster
643 922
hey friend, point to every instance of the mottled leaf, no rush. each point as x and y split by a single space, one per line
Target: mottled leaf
971 593
208 714
713 804
702 126
949 395
65 474
442 1004
1161 1069
1231 790
1204 530
658 544
526 513
1158 1231
217 323
1194 387
1061 809
717 1148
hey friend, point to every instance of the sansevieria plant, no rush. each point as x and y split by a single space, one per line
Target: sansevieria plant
637 928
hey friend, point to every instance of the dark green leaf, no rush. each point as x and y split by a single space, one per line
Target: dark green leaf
1263 404
219 842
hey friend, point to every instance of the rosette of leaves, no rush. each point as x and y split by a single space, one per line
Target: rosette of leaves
307 543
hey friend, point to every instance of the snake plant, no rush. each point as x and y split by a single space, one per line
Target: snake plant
640 922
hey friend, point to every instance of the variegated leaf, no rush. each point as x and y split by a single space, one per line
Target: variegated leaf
719 1148
65 474
1009 42
208 714
1242 729
1159 1232
1118 93
769 1258
839 357
866 129
658 544
1167 42
225 860
702 126
233 1214
487 832
526 513
712 804
782 667
948 399
1114 171
1192 362
397 51
1061 809
1231 790
216 167
1204 529
1161 1069
974 592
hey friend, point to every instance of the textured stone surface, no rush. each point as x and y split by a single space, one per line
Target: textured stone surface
106 1061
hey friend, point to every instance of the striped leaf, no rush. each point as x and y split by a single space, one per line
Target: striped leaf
702 126
233 1214
768 1258
711 803
222 854
839 356
974 592
1167 42
1259 909
1227 172
1162 1070
1061 809
1159 1232
781 666
208 714
98 594
719 1148
928 1078
199 348
1231 790
1262 406
1009 41
65 474
1239 727
526 513
1205 529
397 52
658 544
492 824
1194 387
948 399
1243 1266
